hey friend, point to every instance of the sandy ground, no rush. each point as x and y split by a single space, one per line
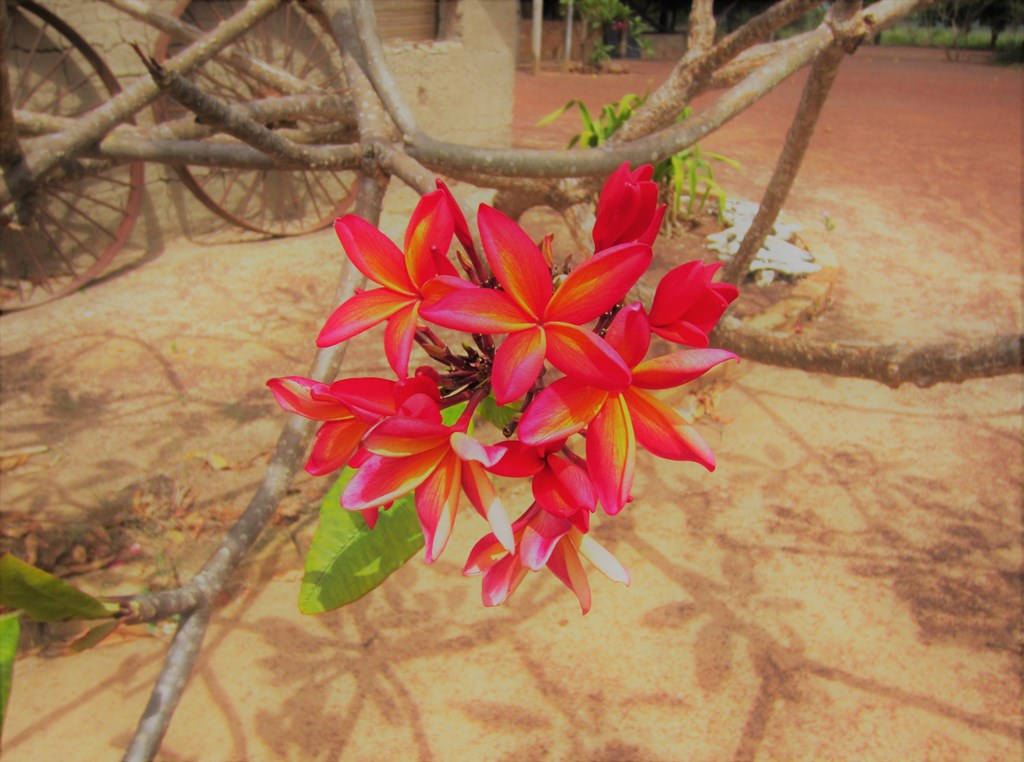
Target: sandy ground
845 586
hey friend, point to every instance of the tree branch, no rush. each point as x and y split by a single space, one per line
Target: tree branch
923 365
450 158
232 121
294 439
181 658
798 138
697 66
702 26
377 70
265 73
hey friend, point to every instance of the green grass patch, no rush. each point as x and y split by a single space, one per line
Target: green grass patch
942 37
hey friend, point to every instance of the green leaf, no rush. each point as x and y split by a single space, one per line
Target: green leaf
10 629
44 597
557 113
500 415
347 559
588 123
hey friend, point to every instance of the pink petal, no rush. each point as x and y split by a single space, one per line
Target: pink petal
563 488
598 283
600 557
437 502
401 435
678 289
565 564
477 310
501 580
517 363
381 479
520 459
369 397
485 500
706 311
373 254
485 553
560 410
611 454
630 333
468 448
398 338
662 431
516 261
334 444
370 516
612 198
681 332
649 235
461 228
422 405
428 237
295 394
540 538
669 371
584 355
361 312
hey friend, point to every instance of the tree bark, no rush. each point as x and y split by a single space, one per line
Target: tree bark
266 74
923 365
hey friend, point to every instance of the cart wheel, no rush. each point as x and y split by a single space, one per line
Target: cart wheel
67 231
273 202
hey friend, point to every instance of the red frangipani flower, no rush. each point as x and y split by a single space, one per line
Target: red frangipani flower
628 208
617 420
687 305
541 324
348 408
401 277
561 486
542 539
395 440
414 450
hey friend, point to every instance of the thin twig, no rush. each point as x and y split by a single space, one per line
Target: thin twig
700 62
233 121
263 72
798 138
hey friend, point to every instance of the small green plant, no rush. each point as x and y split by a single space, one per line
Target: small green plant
598 16
597 131
687 178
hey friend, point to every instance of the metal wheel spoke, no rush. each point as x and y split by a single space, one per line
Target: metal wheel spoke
79 219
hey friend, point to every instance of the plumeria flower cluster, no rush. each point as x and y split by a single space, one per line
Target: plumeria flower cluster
575 438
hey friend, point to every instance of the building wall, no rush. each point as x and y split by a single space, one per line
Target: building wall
460 88
552 42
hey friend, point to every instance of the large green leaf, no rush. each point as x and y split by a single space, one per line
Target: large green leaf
347 559
10 628
44 597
